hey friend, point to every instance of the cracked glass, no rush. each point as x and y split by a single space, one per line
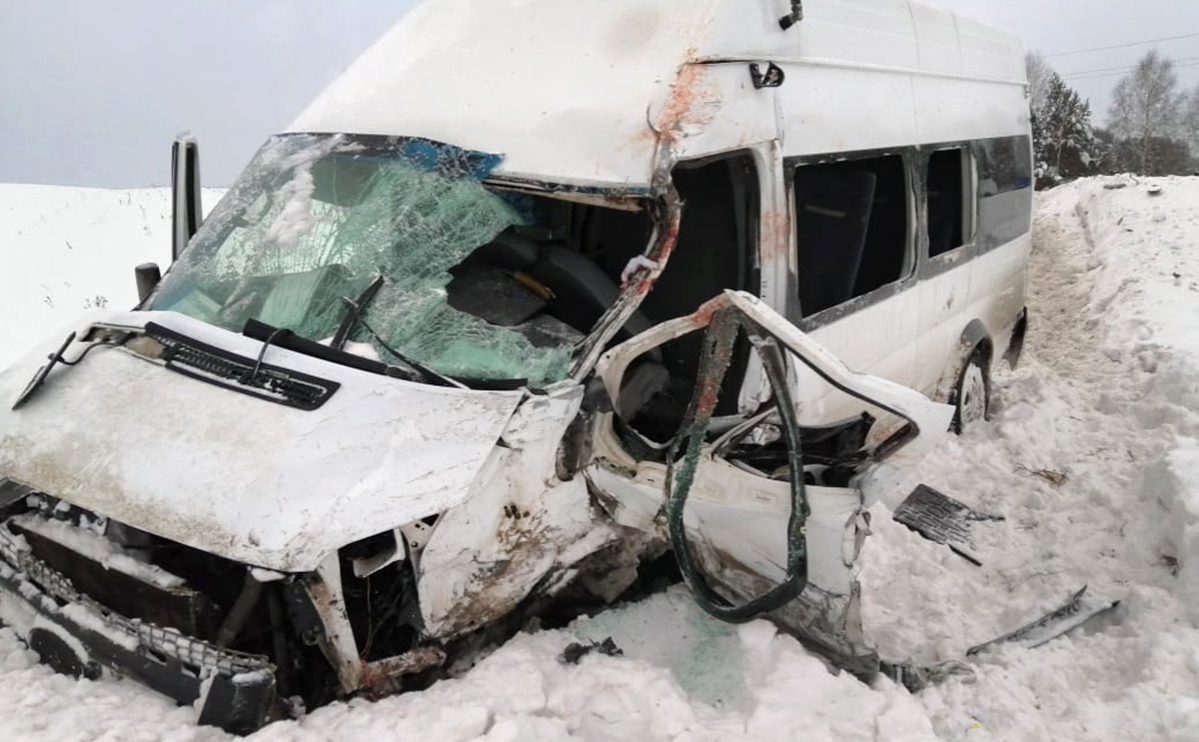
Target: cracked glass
316 219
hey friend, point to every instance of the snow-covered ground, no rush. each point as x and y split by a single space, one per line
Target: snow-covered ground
1108 394
66 250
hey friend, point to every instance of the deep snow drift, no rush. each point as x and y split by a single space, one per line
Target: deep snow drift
1108 394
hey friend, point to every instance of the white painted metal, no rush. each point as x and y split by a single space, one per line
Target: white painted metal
568 90
520 522
261 483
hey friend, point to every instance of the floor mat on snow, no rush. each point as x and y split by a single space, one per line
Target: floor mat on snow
943 520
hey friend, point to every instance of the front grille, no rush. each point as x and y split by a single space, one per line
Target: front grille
133 634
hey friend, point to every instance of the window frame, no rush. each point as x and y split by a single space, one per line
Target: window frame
1023 141
934 265
911 260
969 204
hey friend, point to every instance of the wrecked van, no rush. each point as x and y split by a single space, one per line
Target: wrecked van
535 294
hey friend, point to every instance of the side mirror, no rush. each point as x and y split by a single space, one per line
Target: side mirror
795 16
185 191
148 275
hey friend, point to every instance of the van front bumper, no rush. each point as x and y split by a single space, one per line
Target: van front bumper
74 634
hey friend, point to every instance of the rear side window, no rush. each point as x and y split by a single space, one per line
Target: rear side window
1004 190
853 228
949 186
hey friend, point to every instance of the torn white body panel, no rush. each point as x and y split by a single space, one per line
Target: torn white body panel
736 515
890 479
742 518
522 522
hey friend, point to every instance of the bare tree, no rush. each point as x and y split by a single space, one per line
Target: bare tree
1190 121
1039 75
1146 108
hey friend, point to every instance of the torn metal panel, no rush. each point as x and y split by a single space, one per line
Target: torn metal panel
1080 610
336 638
736 515
928 420
667 211
522 522
829 622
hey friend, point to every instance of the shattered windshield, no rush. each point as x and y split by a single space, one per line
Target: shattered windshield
316 219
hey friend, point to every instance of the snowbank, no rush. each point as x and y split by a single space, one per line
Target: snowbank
1174 482
1143 240
1107 394
66 250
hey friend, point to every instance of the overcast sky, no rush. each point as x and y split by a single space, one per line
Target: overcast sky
93 91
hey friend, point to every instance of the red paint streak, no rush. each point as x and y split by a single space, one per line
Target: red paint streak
684 94
776 236
666 244
689 93
702 317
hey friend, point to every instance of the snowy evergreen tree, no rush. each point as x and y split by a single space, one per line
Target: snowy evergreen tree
1063 142
1146 111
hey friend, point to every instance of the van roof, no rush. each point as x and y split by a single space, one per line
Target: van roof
566 89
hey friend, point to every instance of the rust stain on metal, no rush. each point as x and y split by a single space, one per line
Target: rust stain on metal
377 678
723 332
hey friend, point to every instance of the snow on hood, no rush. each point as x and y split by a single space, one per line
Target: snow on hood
244 478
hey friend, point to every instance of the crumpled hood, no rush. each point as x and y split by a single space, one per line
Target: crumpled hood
234 475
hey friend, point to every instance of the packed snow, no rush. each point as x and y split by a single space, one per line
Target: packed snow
1107 395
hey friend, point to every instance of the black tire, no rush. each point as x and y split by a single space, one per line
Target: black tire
972 396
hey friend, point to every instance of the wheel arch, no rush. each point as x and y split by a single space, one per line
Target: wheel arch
975 338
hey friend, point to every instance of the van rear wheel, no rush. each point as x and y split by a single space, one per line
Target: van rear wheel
972 396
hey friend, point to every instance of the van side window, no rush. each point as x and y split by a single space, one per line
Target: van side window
949 180
1004 189
853 223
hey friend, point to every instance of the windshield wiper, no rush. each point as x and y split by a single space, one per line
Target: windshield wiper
354 317
56 358
354 312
